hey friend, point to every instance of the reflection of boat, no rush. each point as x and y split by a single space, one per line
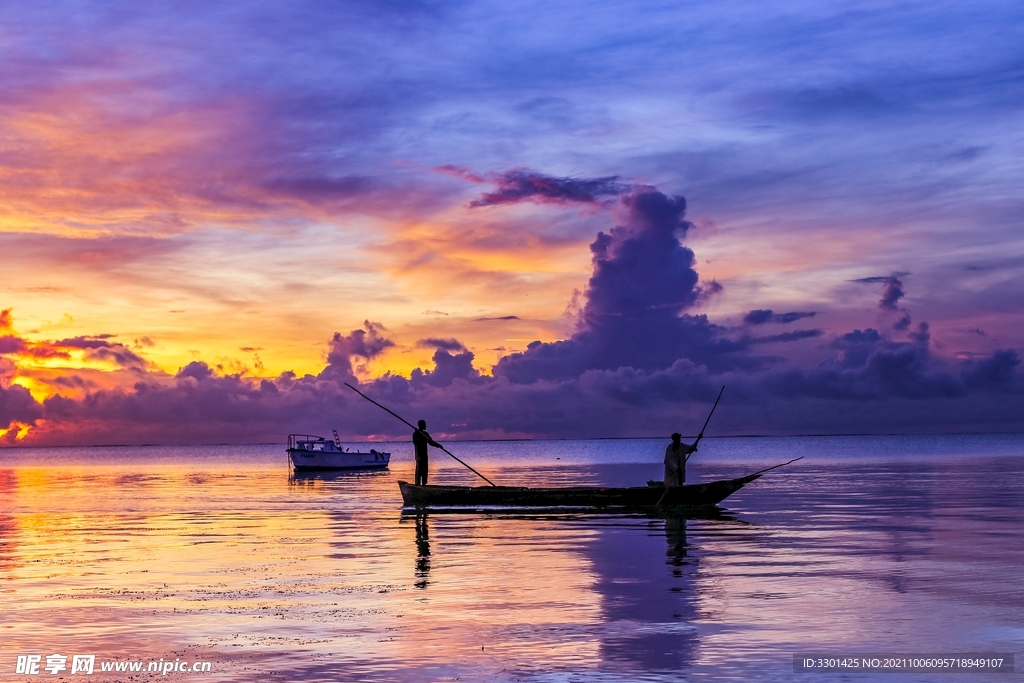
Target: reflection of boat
309 453
690 496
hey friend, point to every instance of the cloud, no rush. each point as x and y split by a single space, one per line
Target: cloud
447 369
643 280
366 344
522 185
893 293
871 368
98 347
997 371
892 290
17 406
438 343
12 344
641 360
761 316
784 337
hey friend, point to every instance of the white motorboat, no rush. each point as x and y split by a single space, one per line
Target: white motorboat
309 453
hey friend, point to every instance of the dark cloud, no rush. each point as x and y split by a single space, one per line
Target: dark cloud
784 337
98 348
17 405
95 348
761 316
922 336
643 280
871 367
438 343
793 316
196 370
502 317
12 344
447 369
521 185
73 382
366 344
758 316
892 290
998 371
892 293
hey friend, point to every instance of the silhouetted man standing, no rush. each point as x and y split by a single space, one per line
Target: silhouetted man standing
676 456
420 440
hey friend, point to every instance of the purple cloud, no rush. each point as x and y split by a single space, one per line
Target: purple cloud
761 316
438 343
447 369
784 337
643 280
892 290
17 405
367 344
522 185
97 347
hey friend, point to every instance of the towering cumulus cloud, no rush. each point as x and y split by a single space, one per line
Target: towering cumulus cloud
643 280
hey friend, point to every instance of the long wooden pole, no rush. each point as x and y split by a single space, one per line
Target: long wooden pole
701 435
418 429
775 467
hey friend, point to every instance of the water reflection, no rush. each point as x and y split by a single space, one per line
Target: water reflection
317 578
648 611
675 533
8 523
422 551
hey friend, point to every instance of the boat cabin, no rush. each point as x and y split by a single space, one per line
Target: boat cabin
309 442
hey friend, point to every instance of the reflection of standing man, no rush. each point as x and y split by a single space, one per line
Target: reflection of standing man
675 533
422 551
420 440
676 456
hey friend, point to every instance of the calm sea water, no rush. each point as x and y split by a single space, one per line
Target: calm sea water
219 555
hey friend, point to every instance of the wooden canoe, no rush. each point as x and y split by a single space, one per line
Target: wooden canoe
693 496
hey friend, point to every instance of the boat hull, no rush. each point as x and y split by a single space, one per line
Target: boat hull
689 496
319 461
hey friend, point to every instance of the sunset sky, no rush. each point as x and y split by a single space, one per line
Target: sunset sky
513 219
